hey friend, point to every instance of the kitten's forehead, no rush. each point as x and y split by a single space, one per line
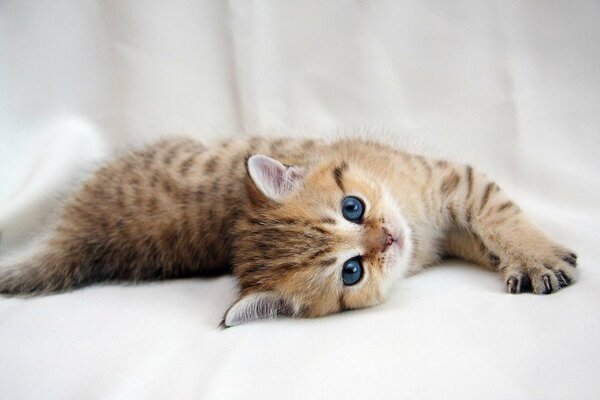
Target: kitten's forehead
310 225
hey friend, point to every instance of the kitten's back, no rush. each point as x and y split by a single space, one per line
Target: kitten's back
163 211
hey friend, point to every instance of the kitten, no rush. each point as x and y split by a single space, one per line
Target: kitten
307 227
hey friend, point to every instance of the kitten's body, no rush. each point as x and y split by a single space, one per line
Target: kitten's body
178 208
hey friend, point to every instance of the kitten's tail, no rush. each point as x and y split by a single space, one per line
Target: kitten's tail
34 273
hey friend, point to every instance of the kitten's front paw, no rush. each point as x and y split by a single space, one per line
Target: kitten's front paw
540 275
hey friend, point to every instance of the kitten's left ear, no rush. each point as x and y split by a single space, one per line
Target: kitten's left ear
255 306
272 178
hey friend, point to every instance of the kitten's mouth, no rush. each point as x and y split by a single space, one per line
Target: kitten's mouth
394 232
392 242
394 247
391 238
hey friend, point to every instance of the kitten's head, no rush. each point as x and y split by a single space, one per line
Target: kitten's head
315 241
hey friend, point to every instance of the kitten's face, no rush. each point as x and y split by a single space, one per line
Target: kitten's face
315 242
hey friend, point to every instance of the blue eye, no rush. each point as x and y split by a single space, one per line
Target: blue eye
353 209
352 271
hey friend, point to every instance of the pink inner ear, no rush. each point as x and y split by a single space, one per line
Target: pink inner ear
275 176
274 179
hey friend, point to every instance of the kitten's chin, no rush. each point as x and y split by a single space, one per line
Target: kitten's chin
396 264
397 259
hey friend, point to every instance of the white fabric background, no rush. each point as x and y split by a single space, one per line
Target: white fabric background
510 86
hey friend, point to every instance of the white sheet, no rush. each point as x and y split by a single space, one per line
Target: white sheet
511 86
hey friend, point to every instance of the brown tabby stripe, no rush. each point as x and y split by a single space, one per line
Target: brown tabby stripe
276 146
328 262
307 145
236 162
167 184
285 265
153 205
211 165
199 194
328 220
172 152
319 253
450 183
482 247
149 157
452 213
170 155
256 221
486 194
187 164
338 174
504 206
321 230
253 143
424 164
469 180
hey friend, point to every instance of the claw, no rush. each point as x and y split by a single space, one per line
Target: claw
513 285
563 280
547 284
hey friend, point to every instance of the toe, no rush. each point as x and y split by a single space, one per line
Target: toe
544 282
512 284
571 259
519 283
563 279
526 283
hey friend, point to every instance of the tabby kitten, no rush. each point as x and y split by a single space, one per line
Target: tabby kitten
307 227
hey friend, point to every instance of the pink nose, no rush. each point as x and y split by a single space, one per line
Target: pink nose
386 239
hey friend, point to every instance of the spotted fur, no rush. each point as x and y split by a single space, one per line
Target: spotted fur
178 208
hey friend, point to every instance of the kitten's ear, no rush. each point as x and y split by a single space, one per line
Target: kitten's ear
273 179
255 306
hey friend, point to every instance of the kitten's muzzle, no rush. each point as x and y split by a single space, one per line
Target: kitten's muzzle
380 239
386 239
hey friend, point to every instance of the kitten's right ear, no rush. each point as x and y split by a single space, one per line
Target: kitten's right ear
255 306
272 179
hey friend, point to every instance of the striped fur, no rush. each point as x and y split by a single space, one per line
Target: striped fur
180 208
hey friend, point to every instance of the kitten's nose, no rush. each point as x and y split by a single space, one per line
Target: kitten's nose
386 239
